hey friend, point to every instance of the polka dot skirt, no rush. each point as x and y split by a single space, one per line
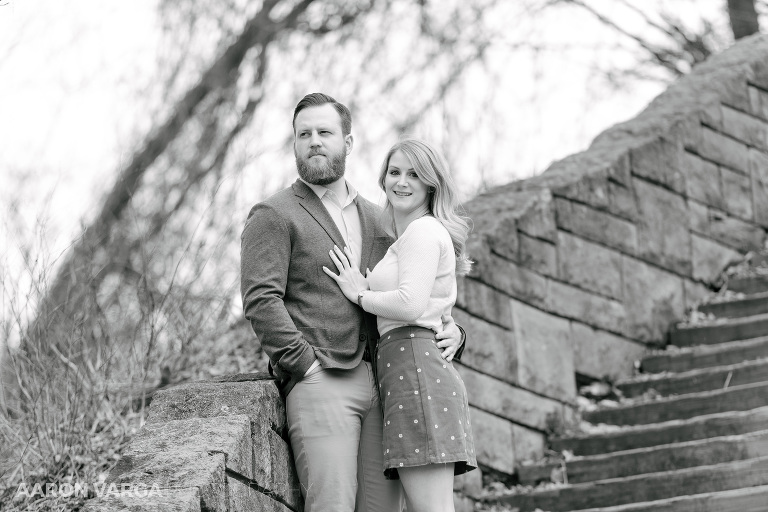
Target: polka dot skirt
426 415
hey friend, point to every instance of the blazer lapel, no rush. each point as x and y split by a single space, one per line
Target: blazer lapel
368 226
310 202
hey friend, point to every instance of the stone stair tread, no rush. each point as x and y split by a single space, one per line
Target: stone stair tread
749 284
654 459
736 398
639 436
747 499
697 379
643 488
727 329
705 356
753 304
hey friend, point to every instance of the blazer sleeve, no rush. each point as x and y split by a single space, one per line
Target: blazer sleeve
265 253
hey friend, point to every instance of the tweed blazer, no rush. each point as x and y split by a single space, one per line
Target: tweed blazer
297 311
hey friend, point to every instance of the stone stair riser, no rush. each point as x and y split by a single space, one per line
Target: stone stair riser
748 306
706 357
739 398
652 460
734 330
642 488
749 285
715 378
725 424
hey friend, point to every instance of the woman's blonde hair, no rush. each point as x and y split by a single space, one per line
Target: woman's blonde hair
443 202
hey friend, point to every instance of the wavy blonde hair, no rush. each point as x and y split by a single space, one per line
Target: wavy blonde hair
432 169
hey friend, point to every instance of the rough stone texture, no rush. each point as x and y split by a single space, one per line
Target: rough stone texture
230 435
258 400
657 297
510 278
750 129
709 258
724 150
660 162
662 231
738 234
494 350
494 441
703 183
274 456
173 470
507 401
758 165
244 498
597 353
545 361
758 100
482 301
589 265
528 444
571 302
537 255
596 225
163 500
694 293
737 191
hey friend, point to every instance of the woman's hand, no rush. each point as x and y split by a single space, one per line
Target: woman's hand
350 280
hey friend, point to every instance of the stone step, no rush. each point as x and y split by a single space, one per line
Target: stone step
676 431
734 329
642 488
705 356
749 285
695 381
738 398
748 306
750 499
650 460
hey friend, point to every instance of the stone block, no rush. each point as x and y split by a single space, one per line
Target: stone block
660 161
177 470
698 217
538 220
688 132
589 265
703 180
537 255
621 201
596 225
273 468
494 443
571 302
758 166
590 190
598 353
529 444
736 233
230 435
747 128
508 401
544 352
511 279
242 497
711 258
695 293
470 484
490 349
723 150
758 100
482 301
737 193
259 400
662 229
503 239
656 297
156 500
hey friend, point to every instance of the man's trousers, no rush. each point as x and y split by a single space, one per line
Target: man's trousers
335 426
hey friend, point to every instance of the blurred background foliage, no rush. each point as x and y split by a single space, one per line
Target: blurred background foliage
146 294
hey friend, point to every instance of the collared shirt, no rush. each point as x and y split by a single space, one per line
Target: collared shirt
345 216
347 219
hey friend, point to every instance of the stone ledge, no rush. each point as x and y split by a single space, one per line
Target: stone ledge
163 500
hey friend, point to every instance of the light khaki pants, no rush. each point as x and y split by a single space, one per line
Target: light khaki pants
335 426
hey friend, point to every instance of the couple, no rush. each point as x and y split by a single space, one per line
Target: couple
363 411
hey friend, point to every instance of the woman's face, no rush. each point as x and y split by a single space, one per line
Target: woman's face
405 190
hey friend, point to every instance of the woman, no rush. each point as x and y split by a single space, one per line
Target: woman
427 432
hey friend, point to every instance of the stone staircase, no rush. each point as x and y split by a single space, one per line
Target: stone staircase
691 434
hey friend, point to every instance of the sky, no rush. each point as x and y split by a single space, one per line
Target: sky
72 75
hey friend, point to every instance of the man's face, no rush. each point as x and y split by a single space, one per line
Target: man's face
319 145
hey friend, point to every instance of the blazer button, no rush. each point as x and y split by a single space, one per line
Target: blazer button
362 337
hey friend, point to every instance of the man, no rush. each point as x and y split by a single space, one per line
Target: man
318 342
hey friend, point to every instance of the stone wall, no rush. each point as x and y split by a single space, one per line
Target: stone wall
583 268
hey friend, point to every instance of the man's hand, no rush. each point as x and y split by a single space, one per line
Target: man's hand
449 339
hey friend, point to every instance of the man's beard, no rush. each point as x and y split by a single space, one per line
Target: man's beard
324 173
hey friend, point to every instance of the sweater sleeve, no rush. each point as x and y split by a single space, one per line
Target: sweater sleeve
418 257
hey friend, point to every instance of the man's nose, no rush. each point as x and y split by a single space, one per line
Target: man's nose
314 139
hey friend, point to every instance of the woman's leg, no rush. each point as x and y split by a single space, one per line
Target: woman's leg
428 488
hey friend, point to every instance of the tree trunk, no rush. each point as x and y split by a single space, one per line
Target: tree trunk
743 17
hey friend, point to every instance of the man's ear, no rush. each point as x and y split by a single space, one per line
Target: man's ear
349 142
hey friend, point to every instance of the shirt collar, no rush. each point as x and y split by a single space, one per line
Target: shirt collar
320 190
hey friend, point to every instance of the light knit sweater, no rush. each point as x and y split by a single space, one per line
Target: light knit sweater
415 282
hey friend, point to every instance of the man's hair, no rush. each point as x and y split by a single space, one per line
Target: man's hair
317 99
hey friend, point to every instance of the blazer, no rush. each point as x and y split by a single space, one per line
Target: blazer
297 311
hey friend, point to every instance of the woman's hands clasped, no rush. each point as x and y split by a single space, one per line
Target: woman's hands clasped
349 279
